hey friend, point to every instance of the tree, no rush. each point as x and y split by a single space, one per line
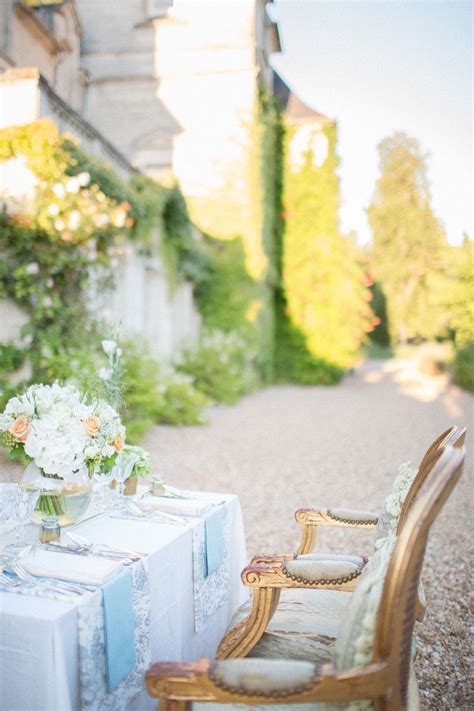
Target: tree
408 240
323 310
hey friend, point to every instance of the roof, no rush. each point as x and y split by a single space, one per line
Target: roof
294 108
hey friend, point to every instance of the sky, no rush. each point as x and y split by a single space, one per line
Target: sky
381 66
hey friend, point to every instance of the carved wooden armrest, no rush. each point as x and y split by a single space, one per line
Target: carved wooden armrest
310 519
330 574
271 559
267 681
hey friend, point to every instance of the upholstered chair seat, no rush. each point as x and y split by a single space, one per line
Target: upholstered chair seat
304 626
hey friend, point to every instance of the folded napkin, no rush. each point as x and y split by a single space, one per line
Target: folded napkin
213 523
214 534
119 626
183 507
67 566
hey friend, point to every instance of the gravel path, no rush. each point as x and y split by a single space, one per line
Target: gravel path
286 447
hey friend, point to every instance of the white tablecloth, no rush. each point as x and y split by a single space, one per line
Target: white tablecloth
39 668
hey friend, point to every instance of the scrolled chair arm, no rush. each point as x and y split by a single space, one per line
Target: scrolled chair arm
254 681
338 573
311 519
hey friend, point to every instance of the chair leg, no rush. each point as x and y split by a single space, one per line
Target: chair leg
308 539
242 638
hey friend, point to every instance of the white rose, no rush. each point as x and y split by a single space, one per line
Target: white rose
109 347
5 422
83 179
74 220
58 190
73 185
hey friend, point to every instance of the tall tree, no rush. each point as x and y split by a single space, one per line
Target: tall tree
408 240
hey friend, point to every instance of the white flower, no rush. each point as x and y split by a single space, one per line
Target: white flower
105 373
59 225
58 190
53 209
32 268
119 218
5 422
109 347
101 219
47 301
73 185
74 220
83 179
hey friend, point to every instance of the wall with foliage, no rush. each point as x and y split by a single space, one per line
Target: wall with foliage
323 310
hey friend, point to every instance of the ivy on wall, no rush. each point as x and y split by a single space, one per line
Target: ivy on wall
322 303
68 227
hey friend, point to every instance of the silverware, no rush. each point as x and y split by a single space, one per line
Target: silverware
58 585
98 547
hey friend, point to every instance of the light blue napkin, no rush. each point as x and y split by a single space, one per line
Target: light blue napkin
214 536
119 625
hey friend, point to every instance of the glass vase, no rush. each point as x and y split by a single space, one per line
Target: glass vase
67 501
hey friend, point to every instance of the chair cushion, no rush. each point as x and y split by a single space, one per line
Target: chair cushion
304 625
352 516
413 702
390 514
316 567
269 677
354 645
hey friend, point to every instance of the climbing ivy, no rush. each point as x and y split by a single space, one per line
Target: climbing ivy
322 309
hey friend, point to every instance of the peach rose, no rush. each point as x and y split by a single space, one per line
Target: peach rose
92 425
20 429
118 444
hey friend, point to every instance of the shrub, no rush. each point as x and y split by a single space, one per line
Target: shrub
463 367
222 366
156 393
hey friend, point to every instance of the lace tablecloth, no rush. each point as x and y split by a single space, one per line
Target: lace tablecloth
52 650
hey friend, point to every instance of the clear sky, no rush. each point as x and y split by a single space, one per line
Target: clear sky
382 66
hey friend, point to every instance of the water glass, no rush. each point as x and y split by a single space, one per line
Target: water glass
123 468
23 507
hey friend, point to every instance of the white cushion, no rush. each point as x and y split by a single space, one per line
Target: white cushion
304 625
331 568
354 643
353 515
264 676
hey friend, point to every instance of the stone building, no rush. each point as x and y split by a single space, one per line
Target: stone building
161 86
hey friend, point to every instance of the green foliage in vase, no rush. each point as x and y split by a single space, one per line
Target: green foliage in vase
323 310
222 366
408 240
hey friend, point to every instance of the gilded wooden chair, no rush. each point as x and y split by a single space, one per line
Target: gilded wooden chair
373 661
303 612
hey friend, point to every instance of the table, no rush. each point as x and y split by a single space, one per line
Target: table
39 666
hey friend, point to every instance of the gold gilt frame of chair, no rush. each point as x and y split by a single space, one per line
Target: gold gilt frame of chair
267 576
312 519
385 679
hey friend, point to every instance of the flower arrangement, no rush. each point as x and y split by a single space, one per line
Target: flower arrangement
142 466
62 432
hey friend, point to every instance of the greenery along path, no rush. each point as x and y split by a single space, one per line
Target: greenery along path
286 447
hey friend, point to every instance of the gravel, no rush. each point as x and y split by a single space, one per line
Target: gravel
286 447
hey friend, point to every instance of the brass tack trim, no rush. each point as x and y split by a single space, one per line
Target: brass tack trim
349 520
270 694
325 581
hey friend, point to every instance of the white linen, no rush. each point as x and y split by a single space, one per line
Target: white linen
39 665
70 567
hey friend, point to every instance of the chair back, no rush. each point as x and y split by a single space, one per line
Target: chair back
396 613
452 437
